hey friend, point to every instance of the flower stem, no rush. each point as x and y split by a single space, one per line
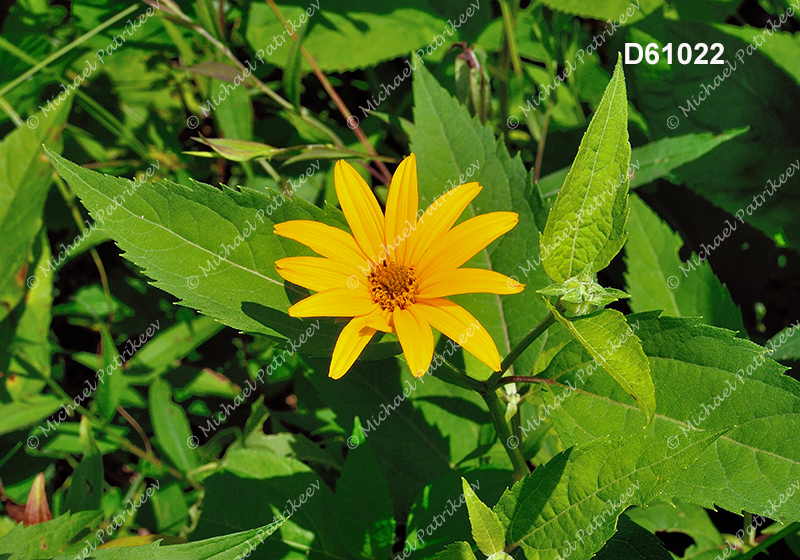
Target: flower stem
504 433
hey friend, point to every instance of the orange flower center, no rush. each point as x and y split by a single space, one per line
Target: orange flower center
393 286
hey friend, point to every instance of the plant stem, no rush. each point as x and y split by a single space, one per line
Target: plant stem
453 375
785 532
504 433
523 344
386 176
523 379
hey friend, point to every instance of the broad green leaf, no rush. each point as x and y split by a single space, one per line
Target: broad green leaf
783 346
705 378
352 34
681 518
24 181
109 379
678 99
586 226
632 542
274 490
613 10
212 248
45 540
456 551
608 337
656 278
655 159
570 505
487 531
453 148
86 489
365 526
171 428
27 412
66 441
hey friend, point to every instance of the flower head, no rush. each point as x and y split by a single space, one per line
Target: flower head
395 270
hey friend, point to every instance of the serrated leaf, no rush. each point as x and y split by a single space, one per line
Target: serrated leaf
171 428
586 226
456 551
366 527
632 542
625 361
24 182
784 346
555 510
605 10
172 231
693 367
454 148
226 547
655 281
487 531
45 540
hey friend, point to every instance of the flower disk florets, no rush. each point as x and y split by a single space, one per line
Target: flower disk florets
393 286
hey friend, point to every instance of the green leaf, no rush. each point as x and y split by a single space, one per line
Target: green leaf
656 277
198 242
280 491
293 73
694 368
110 381
634 11
44 540
632 542
171 428
24 182
86 489
237 149
739 175
26 412
487 531
226 547
174 343
456 551
586 226
655 159
365 526
569 506
691 520
352 34
234 113
783 346
453 148
608 337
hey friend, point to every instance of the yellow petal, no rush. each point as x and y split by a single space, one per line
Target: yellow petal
360 208
328 241
439 217
352 340
416 338
461 327
401 209
381 321
318 274
462 242
336 302
466 281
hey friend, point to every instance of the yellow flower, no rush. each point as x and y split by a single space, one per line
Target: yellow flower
394 272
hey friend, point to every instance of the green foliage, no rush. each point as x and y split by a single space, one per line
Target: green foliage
151 374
